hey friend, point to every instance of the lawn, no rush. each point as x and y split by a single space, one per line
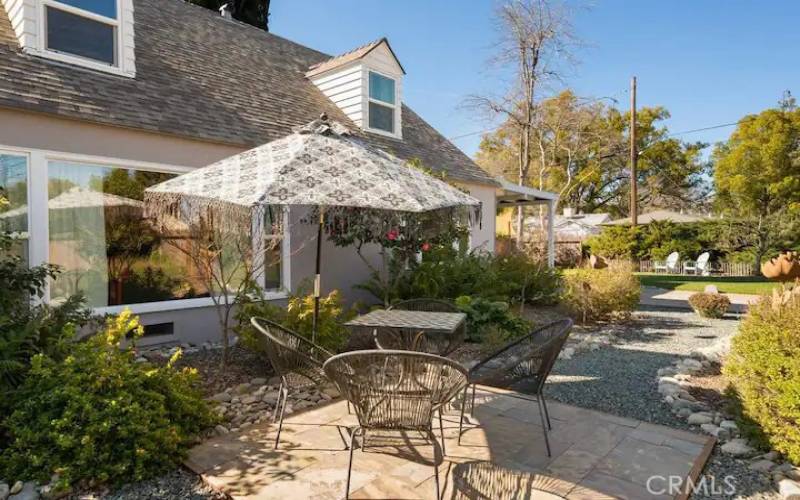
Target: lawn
750 285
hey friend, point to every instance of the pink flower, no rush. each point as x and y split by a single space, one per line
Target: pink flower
392 235
426 246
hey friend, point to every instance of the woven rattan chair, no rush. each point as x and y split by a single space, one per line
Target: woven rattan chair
395 391
529 358
438 344
294 359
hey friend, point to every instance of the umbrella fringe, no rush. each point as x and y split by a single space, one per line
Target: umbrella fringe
169 209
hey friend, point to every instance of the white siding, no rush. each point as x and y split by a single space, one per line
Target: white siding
482 236
343 86
22 14
348 86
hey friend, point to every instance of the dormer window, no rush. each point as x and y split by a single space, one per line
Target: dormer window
83 28
95 34
381 102
367 85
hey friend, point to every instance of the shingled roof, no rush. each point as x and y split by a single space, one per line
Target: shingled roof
353 55
207 78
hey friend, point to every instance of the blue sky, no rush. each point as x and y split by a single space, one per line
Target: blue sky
709 62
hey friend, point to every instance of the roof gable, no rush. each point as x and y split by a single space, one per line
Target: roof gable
356 54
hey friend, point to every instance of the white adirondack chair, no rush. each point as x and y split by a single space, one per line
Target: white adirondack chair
699 266
668 266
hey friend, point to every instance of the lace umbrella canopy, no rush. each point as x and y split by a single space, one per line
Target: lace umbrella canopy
322 166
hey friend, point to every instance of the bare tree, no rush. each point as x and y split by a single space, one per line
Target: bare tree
535 41
228 259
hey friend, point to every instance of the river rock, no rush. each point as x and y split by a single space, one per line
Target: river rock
762 465
27 492
699 419
737 448
4 491
789 490
16 488
222 397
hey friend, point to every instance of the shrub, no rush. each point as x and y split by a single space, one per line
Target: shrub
486 317
710 305
26 327
601 294
297 316
98 415
446 273
764 369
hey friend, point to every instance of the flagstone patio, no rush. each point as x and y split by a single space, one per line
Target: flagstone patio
502 455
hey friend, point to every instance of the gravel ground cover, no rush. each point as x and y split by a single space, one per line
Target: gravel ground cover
621 379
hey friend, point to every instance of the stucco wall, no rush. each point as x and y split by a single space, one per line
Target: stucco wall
342 268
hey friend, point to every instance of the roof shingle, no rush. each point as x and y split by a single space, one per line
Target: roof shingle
204 77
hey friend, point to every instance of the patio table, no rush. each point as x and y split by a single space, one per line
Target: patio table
413 326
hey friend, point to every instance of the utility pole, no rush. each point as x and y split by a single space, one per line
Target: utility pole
634 156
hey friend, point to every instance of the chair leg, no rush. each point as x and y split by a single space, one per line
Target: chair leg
280 422
546 413
472 406
544 426
352 444
461 419
277 403
435 462
441 431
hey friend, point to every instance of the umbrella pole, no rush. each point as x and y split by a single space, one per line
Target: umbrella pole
317 277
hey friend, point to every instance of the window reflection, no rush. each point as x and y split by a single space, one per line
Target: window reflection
14 189
108 250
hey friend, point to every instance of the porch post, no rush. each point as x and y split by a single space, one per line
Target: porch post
551 240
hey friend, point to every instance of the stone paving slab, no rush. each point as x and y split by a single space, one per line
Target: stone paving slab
660 297
502 455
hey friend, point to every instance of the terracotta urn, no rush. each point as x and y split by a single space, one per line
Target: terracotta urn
597 262
784 267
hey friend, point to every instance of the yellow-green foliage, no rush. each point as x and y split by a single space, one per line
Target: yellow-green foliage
764 370
601 294
710 305
98 415
297 316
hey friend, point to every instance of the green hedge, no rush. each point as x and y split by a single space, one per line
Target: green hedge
764 370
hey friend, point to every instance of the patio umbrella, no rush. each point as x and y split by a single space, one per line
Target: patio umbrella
321 165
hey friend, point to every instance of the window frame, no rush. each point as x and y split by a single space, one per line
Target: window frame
394 107
26 235
117 24
39 227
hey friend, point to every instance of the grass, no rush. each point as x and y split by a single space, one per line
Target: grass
749 285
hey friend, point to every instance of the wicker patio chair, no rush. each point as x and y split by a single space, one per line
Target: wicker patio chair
439 344
395 391
295 360
528 358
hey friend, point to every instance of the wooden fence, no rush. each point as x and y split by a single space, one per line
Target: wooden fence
718 268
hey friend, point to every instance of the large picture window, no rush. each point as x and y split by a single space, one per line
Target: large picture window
109 251
14 189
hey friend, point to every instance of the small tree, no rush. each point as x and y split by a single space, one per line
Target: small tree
228 257
535 37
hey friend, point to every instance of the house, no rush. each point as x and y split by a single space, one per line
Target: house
576 227
99 100
659 216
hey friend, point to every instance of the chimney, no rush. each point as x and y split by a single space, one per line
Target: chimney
225 11
569 211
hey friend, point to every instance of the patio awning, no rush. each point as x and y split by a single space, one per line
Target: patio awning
513 195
